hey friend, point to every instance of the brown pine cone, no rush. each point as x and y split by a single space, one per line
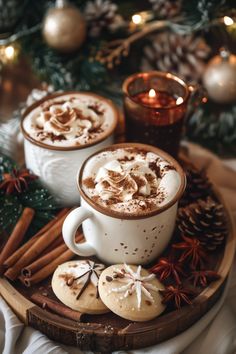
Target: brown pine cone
198 187
205 220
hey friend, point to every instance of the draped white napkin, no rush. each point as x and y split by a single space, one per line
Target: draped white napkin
214 333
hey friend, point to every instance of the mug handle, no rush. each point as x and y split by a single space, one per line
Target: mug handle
69 228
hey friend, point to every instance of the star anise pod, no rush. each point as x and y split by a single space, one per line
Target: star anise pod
203 277
177 295
192 251
16 181
168 267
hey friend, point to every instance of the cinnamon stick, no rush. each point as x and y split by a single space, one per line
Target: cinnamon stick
36 249
10 261
48 269
56 307
58 242
44 272
17 235
47 258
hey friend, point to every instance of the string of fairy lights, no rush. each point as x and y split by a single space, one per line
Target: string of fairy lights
10 46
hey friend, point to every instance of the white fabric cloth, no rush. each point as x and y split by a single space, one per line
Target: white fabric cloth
214 333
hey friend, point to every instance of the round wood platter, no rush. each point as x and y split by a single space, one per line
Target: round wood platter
108 332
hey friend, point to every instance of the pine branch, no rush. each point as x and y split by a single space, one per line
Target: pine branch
214 126
6 165
35 196
10 210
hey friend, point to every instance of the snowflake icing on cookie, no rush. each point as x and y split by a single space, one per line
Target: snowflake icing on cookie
87 271
134 283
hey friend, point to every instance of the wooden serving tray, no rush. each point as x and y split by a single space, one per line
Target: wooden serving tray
108 332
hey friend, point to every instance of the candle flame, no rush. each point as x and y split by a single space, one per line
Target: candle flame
179 100
152 93
10 52
228 21
137 19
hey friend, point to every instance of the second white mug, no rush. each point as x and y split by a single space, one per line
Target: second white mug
56 161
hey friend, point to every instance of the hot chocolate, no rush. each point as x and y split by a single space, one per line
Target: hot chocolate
130 180
60 132
129 197
71 120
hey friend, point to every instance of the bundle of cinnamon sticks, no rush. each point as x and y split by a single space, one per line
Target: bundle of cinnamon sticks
38 258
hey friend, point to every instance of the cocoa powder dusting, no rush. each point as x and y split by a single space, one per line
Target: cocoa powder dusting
69 280
126 184
148 302
113 174
155 168
140 182
113 200
136 151
169 168
89 183
66 277
105 184
126 159
150 178
64 117
47 116
96 108
51 136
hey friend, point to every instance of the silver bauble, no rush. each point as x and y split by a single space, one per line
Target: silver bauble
219 78
64 27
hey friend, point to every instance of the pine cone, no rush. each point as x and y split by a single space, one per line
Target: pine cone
102 15
204 220
198 186
166 8
10 13
183 55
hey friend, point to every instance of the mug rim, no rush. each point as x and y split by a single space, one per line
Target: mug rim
133 216
153 73
33 106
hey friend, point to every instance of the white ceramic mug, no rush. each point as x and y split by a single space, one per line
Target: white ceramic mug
115 239
57 166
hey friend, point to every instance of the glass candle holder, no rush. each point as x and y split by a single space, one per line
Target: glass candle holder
155 105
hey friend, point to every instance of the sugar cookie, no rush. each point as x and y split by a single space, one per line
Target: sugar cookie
75 284
131 292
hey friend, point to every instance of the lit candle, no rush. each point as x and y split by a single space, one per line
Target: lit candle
157 99
155 105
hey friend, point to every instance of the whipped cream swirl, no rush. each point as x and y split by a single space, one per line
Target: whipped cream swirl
70 120
125 181
130 181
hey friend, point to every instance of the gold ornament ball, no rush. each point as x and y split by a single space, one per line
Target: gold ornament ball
64 28
220 78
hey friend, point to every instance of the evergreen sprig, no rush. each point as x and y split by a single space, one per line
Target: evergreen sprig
6 165
10 210
214 126
35 196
